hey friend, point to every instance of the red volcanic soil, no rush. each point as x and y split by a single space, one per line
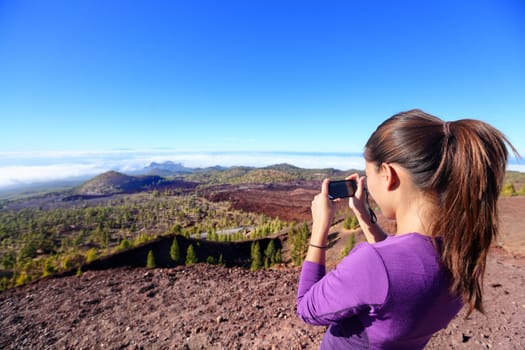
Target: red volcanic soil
213 307
289 202
512 225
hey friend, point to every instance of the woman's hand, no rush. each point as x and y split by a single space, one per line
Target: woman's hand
323 211
358 202
359 205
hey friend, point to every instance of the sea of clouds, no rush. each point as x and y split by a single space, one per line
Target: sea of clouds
25 168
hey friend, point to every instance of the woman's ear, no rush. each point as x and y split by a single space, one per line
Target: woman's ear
390 175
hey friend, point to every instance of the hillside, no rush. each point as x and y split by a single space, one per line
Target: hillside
213 307
113 182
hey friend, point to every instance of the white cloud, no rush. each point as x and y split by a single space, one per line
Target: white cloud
516 167
17 168
27 174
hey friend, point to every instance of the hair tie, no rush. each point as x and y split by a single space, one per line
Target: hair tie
446 128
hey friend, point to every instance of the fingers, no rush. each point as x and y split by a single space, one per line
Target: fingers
323 195
324 186
360 184
322 206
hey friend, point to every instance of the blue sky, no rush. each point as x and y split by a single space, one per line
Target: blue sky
176 77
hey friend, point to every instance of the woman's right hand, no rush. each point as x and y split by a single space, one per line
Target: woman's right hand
358 201
359 205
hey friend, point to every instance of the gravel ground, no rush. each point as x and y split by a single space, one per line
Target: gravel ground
213 307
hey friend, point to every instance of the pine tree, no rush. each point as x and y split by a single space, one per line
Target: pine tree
351 222
299 237
350 243
176 229
175 250
22 279
508 190
277 257
354 223
521 192
91 255
191 257
150 262
269 254
256 256
49 269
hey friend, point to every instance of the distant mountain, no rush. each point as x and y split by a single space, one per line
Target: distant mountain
166 169
113 182
283 167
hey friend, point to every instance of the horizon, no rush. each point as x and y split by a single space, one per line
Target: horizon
109 79
30 168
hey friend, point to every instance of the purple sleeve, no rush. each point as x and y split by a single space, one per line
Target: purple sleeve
359 282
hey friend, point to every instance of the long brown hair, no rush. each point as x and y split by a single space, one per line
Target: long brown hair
460 165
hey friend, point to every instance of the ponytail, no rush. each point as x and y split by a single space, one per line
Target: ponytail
469 180
461 165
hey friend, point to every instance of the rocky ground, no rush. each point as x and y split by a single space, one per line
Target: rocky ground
213 307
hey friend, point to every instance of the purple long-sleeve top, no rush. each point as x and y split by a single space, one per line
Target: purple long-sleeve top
389 295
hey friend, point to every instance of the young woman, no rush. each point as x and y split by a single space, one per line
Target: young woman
440 182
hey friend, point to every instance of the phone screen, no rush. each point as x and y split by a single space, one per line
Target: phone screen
341 188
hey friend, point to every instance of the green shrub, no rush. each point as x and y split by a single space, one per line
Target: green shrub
351 223
176 229
150 261
508 190
4 284
256 256
277 257
191 257
8 261
175 250
350 243
272 255
22 279
71 260
49 268
299 237
123 245
142 238
521 192
91 255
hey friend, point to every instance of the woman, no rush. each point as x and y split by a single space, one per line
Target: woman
440 182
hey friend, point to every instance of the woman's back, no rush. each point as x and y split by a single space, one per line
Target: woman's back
393 295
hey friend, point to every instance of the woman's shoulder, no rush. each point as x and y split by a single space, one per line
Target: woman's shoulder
409 248
406 240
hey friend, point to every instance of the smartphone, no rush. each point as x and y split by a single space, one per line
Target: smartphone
341 188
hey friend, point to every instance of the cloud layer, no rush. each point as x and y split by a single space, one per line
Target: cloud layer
22 168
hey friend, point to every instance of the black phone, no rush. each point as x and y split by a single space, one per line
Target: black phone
341 188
